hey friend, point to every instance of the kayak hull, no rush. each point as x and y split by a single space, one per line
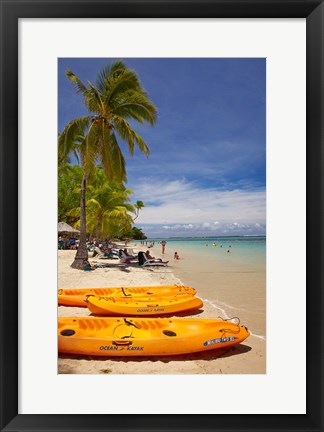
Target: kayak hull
77 296
145 336
142 306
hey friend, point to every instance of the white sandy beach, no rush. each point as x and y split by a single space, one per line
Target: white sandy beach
246 358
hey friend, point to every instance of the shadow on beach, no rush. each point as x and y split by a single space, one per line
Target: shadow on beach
126 267
184 314
203 355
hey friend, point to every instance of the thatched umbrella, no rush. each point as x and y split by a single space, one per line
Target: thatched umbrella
63 227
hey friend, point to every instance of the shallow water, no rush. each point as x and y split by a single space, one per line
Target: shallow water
231 284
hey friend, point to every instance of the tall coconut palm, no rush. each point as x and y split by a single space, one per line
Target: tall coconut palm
116 97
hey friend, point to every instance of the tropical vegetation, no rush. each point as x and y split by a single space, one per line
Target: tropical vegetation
116 98
108 208
69 181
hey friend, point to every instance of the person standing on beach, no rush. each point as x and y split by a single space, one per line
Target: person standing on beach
163 243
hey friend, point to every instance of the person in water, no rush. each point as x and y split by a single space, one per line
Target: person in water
176 256
163 243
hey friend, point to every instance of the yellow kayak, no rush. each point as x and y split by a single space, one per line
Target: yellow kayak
77 296
153 305
145 336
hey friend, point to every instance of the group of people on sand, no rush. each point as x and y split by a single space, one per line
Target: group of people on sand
108 248
67 243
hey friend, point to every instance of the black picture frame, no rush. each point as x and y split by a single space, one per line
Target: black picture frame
11 12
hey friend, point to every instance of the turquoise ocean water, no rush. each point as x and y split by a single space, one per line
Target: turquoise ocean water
229 274
246 249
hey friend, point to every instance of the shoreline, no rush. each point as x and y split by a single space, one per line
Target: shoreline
246 358
227 285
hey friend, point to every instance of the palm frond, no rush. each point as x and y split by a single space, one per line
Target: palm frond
93 203
141 144
130 136
136 105
112 69
94 101
118 214
89 151
74 212
113 161
71 136
78 84
125 132
118 84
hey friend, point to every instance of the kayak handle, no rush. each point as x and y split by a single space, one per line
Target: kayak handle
87 296
123 343
126 295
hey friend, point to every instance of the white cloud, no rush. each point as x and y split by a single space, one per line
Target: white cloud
188 206
198 230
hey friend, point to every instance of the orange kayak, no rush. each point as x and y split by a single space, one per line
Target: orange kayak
153 305
145 336
77 296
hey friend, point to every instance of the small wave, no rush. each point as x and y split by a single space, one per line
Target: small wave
217 307
237 308
257 336
233 307
226 316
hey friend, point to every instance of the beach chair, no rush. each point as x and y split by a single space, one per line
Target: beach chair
145 262
125 259
97 251
101 255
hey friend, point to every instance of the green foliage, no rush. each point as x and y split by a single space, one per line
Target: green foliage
109 210
69 181
135 233
138 206
108 207
117 96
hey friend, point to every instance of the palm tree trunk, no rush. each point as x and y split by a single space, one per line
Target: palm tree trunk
98 230
81 257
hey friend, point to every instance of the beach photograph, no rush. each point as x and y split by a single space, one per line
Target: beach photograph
161 216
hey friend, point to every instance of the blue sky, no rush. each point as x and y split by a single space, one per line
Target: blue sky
206 173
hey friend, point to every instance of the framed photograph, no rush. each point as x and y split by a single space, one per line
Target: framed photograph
259 68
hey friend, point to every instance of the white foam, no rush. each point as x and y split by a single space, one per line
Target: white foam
226 316
257 336
217 307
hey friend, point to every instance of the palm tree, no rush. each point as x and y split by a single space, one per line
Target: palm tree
138 206
116 97
108 207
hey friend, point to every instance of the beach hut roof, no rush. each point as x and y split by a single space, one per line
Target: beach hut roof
64 227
